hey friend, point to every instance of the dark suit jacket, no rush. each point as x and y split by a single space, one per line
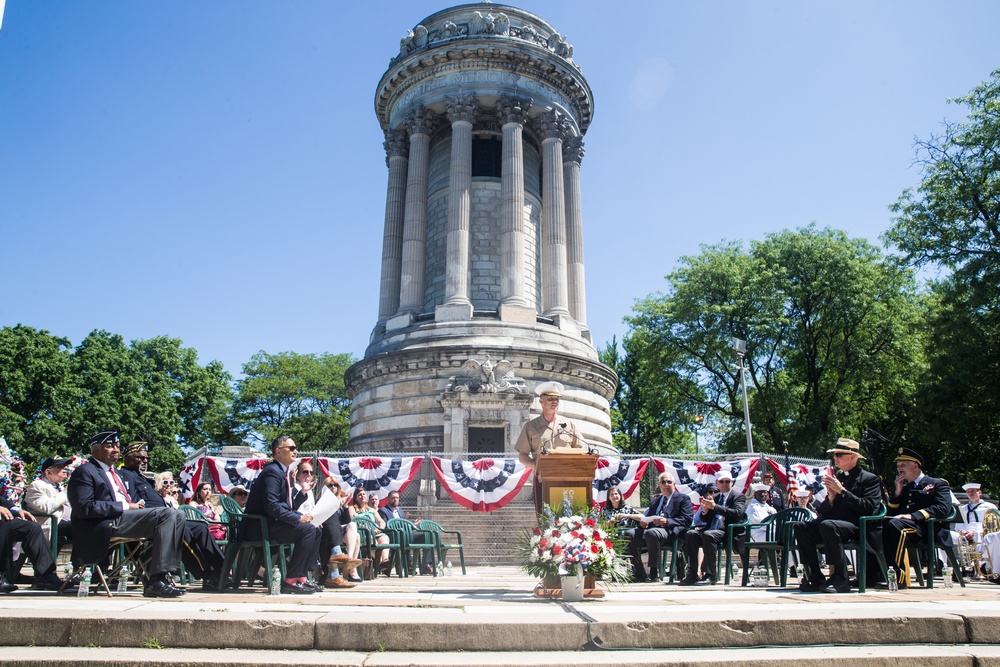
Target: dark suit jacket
677 511
139 487
930 499
732 512
269 496
386 513
95 507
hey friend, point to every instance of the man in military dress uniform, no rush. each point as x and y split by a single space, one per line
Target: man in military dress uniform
850 494
916 498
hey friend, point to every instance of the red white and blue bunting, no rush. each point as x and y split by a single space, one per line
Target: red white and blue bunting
626 475
803 477
485 485
693 476
379 475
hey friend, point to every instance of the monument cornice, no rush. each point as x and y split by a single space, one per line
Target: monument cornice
470 56
585 373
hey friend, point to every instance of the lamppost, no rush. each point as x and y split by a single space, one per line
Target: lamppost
740 346
698 421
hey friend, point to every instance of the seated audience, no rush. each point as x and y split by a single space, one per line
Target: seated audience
351 541
758 509
619 513
667 517
18 525
708 529
201 556
303 501
202 501
166 488
850 494
392 510
47 495
239 493
270 496
102 510
361 508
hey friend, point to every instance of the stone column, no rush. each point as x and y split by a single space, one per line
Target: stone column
392 236
457 305
555 296
411 288
512 112
572 157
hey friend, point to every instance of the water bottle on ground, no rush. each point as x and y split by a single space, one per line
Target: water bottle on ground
893 584
275 581
448 568
84 589
123 578
946 573
439 570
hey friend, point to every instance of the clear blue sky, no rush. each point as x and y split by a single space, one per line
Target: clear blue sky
214 171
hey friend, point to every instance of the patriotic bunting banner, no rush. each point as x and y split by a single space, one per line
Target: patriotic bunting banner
693 476
626 475
485 485
374 474
378 475
803 477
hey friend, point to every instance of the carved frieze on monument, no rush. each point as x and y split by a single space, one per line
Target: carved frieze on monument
487 378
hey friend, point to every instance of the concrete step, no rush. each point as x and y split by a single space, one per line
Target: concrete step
964 655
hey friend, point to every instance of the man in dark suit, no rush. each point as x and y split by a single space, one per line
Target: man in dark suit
916 498
200 553
850 494
103 509
392 510
271 496
667 516
18 525
706 533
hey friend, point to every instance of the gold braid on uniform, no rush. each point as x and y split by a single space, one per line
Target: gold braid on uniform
188 547
903 557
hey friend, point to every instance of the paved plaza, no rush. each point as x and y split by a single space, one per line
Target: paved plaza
491 617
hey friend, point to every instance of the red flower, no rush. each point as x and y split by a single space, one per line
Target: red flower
597 535
555 532
556 550
537 530
595 549
590 522
543 544
608 544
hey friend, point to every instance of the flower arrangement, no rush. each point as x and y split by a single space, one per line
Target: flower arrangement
572 536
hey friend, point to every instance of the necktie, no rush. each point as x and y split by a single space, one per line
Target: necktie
973 517
121 487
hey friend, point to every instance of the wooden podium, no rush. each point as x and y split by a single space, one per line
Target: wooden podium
565 476
561 475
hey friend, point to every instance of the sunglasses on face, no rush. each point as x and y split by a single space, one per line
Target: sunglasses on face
169 483
305 472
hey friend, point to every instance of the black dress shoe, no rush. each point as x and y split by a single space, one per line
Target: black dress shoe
296 588
47 582
811 586
5 587
837 585
689 580
158 588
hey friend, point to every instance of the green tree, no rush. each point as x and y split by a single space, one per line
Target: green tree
952 221
302 395
152 390
648 413
830 331
38 398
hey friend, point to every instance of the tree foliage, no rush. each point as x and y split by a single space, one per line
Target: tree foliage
830 332
54 398
952 221
301 395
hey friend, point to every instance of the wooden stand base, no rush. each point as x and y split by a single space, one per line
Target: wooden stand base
553 591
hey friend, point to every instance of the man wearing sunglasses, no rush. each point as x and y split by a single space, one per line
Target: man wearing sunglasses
850 494
201 555
271 495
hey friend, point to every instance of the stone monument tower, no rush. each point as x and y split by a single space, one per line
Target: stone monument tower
482 286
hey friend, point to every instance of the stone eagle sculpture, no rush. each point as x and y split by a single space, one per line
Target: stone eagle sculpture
487 378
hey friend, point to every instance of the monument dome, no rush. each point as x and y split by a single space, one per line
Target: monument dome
482 291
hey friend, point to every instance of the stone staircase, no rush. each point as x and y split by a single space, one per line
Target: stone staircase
488 536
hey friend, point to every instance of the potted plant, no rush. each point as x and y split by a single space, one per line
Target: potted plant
571 543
